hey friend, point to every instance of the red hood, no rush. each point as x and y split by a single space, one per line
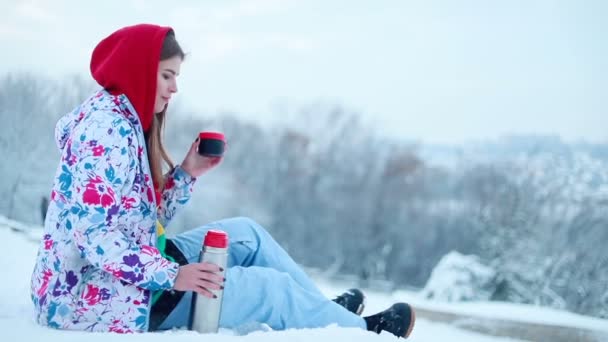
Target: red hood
126 62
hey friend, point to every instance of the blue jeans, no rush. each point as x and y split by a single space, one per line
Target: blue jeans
263 284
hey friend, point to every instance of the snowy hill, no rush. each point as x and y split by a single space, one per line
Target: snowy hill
437 321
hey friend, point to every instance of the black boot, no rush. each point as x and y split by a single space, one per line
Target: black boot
353 300
399 320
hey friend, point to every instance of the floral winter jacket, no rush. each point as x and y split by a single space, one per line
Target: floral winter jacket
97 262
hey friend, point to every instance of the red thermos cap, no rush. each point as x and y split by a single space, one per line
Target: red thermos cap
212 135
216 239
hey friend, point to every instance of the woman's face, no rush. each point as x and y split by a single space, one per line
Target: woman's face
166 84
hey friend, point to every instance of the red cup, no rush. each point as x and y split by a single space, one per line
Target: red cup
211 144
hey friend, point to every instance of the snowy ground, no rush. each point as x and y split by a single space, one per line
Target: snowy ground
16 311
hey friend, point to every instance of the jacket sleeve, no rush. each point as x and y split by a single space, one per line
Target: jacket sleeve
102 164
175 194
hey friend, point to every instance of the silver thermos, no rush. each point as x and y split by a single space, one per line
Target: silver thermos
205 313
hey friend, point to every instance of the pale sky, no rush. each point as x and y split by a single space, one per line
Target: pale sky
437 71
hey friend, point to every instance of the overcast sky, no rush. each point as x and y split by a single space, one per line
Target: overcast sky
439 71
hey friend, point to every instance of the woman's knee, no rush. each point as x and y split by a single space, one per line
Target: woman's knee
245 222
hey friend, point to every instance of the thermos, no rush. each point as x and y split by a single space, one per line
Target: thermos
205 315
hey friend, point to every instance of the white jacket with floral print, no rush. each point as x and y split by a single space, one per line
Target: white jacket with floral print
97 262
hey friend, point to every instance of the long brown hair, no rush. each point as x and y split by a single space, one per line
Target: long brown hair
157 154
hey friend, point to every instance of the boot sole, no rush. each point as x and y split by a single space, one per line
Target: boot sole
362 305
412 322
359 310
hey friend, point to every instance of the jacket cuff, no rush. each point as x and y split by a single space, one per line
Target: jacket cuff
181 177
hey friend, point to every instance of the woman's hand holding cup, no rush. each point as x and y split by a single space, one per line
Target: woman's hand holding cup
205 153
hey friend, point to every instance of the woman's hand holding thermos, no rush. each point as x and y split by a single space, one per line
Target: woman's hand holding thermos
200 277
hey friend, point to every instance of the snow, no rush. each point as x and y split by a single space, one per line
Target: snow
16 314
514 312
458 278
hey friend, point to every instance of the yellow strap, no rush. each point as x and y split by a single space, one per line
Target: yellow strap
160 230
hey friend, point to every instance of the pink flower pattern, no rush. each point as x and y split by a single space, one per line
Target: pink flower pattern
98 193
98 151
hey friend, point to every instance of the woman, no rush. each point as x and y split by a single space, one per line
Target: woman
104 264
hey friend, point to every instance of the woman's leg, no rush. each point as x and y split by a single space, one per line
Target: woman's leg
249 245
263 284
265 295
